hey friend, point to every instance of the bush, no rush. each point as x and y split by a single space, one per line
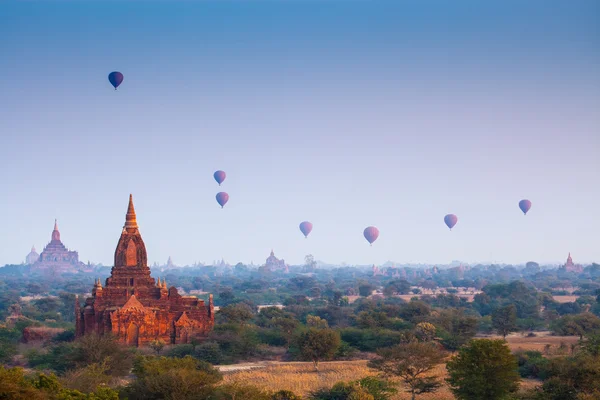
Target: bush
532 364
345 351
181 350
172 378
372 339
66 336
272 337
209 352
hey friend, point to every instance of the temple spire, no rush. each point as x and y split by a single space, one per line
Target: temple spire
130 219
55 232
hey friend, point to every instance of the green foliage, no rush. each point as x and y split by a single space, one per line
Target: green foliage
235 342
318 344
373 339
88 378
172 378
504 320
455 328
90 349
397 287
425 331
580 325
532 364
483 369
581 373
415 311
157 345
209 352
238 391
181 350
364 389
380 389
313 321
238 313
345 351
591 345
411 362
285 395
8 344
14 385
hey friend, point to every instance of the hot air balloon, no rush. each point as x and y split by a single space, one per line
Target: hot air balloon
220 176
525 205
306 228
371 234
115 78
222 198
450 220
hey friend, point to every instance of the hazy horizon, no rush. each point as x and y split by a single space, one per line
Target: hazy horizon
346 114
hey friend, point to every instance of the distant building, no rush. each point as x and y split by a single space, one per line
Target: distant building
170 263
570 266
32 257
56 257
274 264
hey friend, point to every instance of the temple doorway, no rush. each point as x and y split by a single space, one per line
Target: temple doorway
132 335
184 336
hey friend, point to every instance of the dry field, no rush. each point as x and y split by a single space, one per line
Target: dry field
517 341
407 297
301 378
565 299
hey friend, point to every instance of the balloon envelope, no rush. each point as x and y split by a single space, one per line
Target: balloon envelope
220 176
222 198
450 220
525 205
371 234
115 78
306 228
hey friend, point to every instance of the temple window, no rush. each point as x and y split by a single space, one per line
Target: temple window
131 282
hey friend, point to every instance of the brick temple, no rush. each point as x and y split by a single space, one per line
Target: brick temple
55 257
135 307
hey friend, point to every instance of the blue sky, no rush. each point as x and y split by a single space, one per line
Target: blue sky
343 113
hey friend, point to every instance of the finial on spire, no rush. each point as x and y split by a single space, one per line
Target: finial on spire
130 219
55 232
164 283
158 282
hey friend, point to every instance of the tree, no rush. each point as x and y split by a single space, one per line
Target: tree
172 378
313 321
99 348
580 325
504 320
157 345
309 262
238 391
425 331
456 328
411 362
285 395
397 287
365 289
318 344
238 313
369 388
483 369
